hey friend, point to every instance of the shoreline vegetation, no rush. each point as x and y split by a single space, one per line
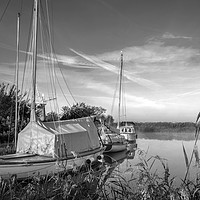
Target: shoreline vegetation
166 130
106 183
146 130
149 184
143 183
151 130
169 127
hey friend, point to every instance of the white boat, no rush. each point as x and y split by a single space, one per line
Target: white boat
131 148
127 129
50 147
112 140
115 158
114 143
116 139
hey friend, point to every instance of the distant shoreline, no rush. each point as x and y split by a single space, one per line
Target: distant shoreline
165 126
166 130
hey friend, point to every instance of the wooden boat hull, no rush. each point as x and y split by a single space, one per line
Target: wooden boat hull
26 165
130 137
115 147
115 157
128 131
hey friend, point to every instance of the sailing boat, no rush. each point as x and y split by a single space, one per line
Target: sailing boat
127 129
50 147
111 137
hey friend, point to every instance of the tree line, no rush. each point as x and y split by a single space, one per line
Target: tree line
7 115
7 112
146 127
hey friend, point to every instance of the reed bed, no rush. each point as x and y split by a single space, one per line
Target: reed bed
7 149
105 183
68 186
146 183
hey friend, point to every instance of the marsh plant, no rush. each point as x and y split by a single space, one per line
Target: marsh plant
147 183
67 186
144 183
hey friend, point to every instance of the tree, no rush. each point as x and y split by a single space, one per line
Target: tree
52 116
7 108
109 119
79 110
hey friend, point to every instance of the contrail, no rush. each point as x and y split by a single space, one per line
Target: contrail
109 67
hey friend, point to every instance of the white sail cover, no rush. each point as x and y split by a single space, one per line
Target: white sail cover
58 138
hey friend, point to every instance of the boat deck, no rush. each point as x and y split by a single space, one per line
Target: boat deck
25 158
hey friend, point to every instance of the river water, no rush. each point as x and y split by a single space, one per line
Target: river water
170 151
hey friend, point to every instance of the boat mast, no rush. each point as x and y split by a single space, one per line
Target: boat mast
120 90
34 46
16 78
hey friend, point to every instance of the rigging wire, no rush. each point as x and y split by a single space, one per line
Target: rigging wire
57 62
1 18
115 93
51 51
27 57
21 6
55 59
50 56
45 46
123 95
45 32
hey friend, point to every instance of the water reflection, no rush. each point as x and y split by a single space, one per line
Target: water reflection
131 148
114 160
171 151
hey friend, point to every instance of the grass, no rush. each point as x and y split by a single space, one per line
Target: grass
7 149
68 186
107 183
144 183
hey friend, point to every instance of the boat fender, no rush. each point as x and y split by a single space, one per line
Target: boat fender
86 166
96 164
100 158
88 162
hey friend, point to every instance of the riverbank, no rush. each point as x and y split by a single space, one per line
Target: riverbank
104 184
165 127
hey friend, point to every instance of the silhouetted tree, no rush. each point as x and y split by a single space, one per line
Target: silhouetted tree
7 109
109 119
81 110
52 116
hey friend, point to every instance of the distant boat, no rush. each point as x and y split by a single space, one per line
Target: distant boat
112 140
131 148
50 147
115 158
127 129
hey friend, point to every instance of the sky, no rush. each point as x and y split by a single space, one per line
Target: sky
160 41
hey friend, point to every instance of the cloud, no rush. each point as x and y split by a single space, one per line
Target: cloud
168 35
109 67
70 61
132 100
153 52
185 94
